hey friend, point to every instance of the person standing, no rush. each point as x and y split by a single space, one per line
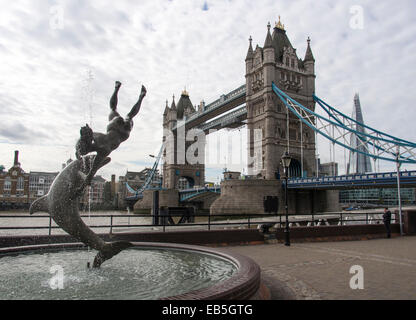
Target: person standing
387 221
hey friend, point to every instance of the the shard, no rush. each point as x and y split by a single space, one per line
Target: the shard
359 162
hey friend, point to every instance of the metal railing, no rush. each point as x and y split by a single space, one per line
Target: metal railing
248 221
189 193
405 176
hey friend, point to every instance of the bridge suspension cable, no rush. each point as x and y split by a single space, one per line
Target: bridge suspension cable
149 177
339 129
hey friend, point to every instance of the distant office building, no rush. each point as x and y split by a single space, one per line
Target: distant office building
358 162
14 186
40 183
385 197
94 194
328 169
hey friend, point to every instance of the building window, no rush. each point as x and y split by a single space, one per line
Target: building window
20 184
293 134
7 184
292 64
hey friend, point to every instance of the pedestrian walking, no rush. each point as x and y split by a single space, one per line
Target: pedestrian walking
387 221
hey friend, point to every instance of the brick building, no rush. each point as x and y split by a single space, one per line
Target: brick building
14 186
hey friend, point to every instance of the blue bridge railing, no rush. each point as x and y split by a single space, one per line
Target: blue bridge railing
190 193
356 180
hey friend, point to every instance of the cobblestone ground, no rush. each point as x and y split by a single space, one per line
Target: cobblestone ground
322 270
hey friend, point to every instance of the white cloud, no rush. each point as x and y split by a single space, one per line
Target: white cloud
167 45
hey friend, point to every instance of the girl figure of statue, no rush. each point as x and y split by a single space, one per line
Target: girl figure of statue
118 130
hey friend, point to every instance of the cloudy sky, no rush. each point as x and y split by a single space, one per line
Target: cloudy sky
48 49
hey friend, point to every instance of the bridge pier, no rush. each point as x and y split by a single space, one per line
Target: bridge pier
244 197
167 198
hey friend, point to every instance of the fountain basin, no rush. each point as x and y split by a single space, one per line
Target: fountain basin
145 271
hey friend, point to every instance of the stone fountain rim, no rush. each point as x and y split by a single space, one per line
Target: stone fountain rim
243 285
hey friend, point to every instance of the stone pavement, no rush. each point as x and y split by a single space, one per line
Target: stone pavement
322 270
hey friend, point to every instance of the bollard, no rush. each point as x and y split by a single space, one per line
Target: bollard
155 208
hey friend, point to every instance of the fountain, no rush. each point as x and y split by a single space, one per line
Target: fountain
141 270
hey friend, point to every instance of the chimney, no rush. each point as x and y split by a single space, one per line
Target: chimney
113 185
16 158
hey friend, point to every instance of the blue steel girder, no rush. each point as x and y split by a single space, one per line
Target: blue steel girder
339 128
149 178
363 137
371 180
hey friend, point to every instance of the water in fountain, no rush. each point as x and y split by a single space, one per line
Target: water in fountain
137 273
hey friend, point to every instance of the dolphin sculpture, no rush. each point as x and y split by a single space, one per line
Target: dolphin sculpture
63 207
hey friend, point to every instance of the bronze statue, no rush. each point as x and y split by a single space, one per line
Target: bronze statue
62 200
118 130
63 207
84 144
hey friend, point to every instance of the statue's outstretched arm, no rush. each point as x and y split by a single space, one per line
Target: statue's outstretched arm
136 108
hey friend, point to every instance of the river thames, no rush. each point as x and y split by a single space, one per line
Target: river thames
9 219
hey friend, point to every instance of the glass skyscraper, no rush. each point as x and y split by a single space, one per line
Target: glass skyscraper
358 162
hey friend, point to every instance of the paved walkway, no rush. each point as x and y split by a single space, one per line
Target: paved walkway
322 270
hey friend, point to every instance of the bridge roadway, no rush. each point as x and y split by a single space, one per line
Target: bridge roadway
233 119
220 106
356 181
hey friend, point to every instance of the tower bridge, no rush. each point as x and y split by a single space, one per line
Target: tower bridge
278 101
220 106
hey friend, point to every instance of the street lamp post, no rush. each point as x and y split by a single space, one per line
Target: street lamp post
398 191
161 173
286 159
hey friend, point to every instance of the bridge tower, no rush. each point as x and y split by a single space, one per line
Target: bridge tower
278 62
181 161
